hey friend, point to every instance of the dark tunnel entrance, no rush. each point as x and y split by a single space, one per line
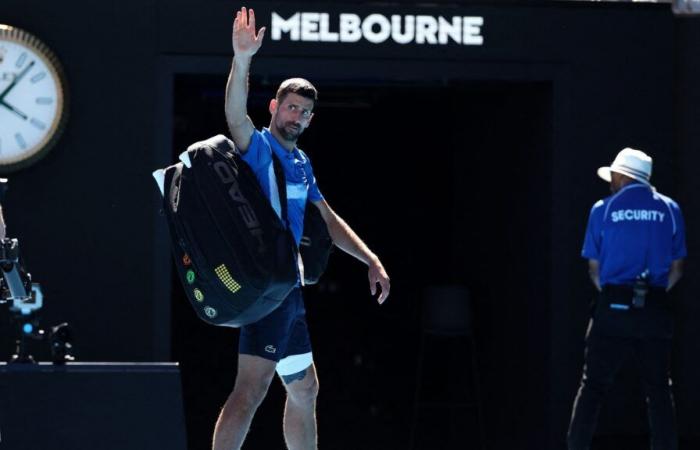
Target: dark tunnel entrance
447 183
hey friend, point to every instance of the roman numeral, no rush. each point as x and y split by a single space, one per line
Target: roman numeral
38 77
20 141
38 123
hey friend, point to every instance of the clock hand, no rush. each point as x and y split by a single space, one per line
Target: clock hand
7 90
13 109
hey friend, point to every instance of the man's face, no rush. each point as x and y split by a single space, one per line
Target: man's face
291 116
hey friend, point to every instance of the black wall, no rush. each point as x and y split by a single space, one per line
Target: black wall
686 142
601 77
84 215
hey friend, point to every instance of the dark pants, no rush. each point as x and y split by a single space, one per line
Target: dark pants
612 336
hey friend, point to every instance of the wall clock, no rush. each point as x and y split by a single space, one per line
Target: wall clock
33 99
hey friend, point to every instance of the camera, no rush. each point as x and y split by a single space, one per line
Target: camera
25 299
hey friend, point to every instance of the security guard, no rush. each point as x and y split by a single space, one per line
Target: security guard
635 245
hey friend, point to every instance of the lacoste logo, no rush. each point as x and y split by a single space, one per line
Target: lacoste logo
270 349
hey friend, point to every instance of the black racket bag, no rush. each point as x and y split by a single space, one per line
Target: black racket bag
234 256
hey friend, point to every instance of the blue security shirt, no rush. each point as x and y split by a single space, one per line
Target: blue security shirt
301 183
633 231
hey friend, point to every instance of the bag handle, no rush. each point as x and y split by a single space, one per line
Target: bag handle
281 186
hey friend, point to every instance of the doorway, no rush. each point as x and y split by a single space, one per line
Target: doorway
448 183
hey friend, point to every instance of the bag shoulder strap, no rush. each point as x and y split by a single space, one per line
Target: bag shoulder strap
281 185
306 172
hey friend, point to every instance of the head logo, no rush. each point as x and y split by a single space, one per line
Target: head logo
227 176
186 260
190 276
210 312
198 295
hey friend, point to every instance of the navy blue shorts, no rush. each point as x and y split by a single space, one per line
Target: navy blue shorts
282 336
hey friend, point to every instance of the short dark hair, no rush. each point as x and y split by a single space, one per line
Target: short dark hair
297 86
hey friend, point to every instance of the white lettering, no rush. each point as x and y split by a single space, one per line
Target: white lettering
350 28
309 26
645 215
471 27
426 30
377 28
279 26
376 37
327 36
452 30
409 29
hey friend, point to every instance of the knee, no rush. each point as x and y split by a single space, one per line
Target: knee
304 391
249 395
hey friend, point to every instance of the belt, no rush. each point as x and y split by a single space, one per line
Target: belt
622 297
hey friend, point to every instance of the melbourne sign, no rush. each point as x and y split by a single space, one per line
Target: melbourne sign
377 28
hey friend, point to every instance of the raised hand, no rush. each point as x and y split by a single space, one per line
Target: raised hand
245 41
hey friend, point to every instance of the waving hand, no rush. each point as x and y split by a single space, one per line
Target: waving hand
245 41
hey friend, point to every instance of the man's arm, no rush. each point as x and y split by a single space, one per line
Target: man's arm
344 237
245 45
594 272
675 273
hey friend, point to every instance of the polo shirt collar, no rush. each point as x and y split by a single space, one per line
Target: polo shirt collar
277 147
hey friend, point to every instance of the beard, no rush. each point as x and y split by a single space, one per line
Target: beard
290 131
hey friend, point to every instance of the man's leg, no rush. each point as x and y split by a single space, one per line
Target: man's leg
653 358
253 379
604 356
300 409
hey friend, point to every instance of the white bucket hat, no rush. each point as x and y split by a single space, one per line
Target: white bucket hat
633 163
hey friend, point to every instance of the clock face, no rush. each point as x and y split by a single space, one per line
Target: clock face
32 99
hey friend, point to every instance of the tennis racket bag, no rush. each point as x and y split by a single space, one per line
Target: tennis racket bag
234 256
315 246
